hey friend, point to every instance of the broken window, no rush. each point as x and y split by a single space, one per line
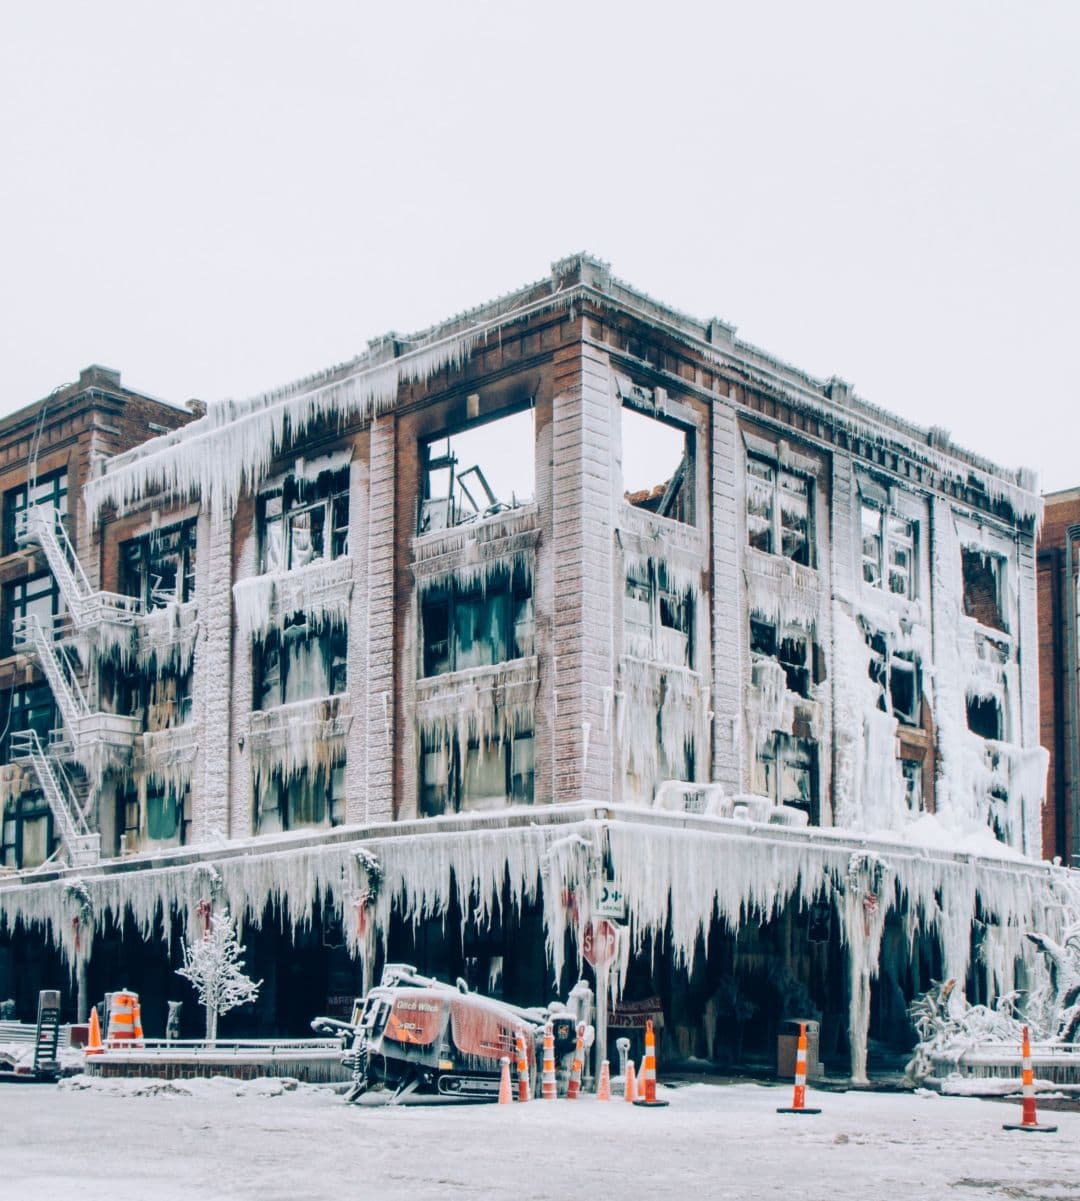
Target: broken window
778 511
792 648
34 596
898 676
166 699
492 773
304 520
51 489
299 664
477 627
483 468
159 567
984 577
888 551
313 796
787 773
657 465
984 717
657 619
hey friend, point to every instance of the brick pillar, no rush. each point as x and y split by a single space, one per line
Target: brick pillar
380 548
356 774
729 645
583 643
211 801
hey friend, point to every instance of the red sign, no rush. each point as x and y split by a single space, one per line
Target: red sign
599 942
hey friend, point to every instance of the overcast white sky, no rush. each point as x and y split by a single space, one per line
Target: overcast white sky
216 198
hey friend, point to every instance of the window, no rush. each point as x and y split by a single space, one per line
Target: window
898 676
912 770
304 520
888 551
159 567
793 649
657 465
984 717
28 708
787 773
490 775
166 699
49 490
311 797
299 664
984 578
477 627
657 619
35 596
482 468
779 511
26 836
163 818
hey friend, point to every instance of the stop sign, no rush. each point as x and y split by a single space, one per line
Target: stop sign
599 942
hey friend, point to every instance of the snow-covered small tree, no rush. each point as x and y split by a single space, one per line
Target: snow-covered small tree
214 966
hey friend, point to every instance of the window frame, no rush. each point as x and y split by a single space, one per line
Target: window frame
659 596
328 494
15 602
334 648
285 790
512 590
17 500
136 577
758 462
454 787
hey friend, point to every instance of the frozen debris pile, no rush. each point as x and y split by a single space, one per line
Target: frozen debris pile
947 1026
1060 998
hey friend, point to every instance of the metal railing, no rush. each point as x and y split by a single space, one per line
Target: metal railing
82 846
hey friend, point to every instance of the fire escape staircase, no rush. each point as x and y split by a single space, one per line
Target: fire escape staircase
93 737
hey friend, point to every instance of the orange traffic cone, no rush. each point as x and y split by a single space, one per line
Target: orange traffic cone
94 1046
574 1087
648 1070
798 1104
505 1095
522 1067
603 1087
1028 1120
630 1088
547 1088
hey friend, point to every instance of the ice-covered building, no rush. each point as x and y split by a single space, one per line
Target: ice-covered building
571 605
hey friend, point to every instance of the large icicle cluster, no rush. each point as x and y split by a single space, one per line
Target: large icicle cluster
480 705
473 556
167 637
322 591
659 711
302 736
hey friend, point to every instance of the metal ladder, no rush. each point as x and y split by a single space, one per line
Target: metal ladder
82 847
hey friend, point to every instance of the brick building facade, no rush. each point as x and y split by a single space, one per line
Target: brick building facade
571 590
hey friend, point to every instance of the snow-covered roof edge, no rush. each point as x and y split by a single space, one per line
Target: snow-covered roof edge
232 448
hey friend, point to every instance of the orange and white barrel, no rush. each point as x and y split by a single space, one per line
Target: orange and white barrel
522 1067
574 1087
548 1089
122 1019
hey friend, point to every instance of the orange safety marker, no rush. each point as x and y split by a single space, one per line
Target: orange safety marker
630 1088
1028 1119
94 1046
574 1087
648 1070
522 1068
122 1019
798 1105
505 1095
547 1088
603 1087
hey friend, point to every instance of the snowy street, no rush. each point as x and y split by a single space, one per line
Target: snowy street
228 1140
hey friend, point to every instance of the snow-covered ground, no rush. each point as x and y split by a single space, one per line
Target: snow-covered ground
219 1139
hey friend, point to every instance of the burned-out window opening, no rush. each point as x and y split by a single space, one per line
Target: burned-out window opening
304 520
657 618
985 718
26 834
898 676
313 796
299 664
158 568
51 489
788 773
478 470
166 699
34 596
888 551
657 465
779 511
465 627
792 648
489 774
984 590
